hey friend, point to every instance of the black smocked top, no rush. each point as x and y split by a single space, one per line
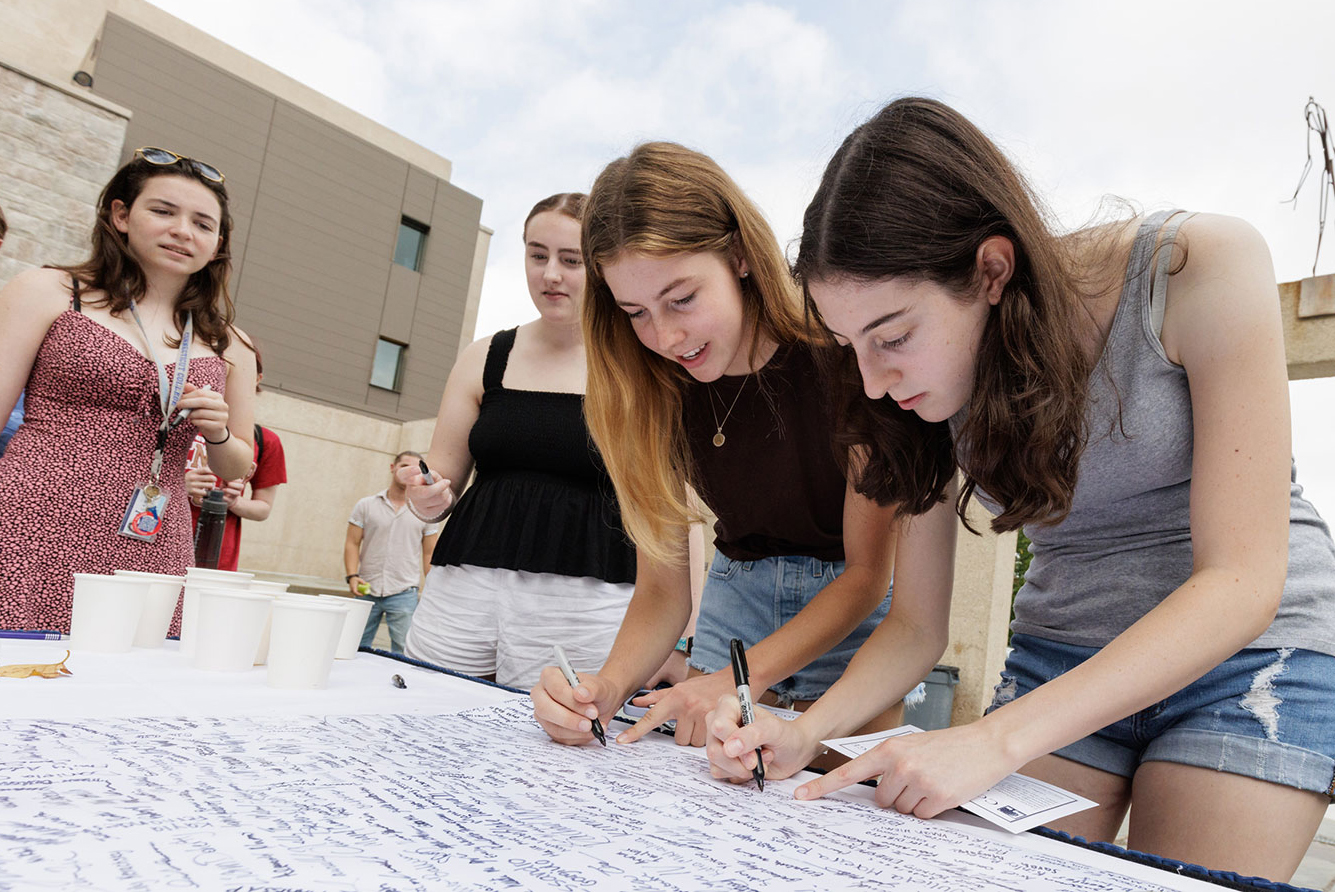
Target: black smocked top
541 500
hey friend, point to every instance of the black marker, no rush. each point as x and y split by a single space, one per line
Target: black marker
568 671
740 675
426 472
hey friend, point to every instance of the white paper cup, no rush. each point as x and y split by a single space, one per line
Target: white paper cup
197 578
302 643
230 624
266 587
105 612
164 591
358 610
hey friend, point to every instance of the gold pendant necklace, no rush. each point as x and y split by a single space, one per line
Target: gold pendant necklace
719 439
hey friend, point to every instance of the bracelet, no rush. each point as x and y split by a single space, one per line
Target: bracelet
219 442
413 511
352 576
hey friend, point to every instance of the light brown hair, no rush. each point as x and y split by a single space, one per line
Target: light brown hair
662 200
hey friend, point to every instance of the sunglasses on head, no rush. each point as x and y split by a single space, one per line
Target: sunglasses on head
154 155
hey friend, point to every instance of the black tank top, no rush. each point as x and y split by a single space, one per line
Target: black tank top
774 484
541 500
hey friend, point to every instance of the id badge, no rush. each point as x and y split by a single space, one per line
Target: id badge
143 518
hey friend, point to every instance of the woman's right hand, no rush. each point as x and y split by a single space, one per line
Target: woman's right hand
567 713
198 482
731 747
427 500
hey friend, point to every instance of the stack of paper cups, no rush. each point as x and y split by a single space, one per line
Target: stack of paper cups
105 612
302 643
359 609
230 624
197 578
163 594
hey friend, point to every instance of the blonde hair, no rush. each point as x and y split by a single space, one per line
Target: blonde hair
662 200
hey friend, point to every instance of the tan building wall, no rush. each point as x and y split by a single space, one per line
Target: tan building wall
1309 327
334 457
60 147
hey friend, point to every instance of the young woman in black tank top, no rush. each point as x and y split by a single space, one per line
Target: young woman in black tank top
533 554
701 377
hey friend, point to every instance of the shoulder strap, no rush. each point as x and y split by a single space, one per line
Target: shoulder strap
259 443
1159 283
498 356
78 305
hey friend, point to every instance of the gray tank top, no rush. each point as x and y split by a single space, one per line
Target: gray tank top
1126 544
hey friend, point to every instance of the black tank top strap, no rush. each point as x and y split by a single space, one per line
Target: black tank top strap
498 356
74 294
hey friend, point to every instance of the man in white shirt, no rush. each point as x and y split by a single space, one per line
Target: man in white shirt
386 553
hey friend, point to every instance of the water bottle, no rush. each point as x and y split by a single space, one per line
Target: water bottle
209 530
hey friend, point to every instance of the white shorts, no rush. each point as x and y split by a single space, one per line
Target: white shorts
484 621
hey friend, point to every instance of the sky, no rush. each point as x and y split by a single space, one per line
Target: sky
1163 103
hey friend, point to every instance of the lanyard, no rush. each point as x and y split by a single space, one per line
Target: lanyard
168 397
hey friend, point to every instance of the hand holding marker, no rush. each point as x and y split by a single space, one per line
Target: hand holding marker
573 679
739 675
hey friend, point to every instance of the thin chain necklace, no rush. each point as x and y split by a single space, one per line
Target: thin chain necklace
719 439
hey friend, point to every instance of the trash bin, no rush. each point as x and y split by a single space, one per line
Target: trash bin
933 713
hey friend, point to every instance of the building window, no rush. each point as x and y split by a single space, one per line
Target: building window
387 370
412 239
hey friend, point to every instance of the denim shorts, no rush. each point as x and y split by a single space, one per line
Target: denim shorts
751 599
1262 713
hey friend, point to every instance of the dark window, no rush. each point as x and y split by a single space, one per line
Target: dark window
387 370
412 239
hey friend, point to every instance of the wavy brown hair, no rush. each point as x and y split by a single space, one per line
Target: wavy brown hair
662 200
112 270
912 193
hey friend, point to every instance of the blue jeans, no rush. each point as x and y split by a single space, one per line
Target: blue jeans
751 599
1261 713
398 612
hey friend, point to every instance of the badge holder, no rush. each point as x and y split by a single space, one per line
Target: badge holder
143 517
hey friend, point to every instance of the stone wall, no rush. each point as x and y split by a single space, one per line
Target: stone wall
59 148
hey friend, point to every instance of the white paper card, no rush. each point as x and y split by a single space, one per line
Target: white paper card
1017 803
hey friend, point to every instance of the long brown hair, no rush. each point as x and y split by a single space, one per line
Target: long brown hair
662 200
112 270
912 193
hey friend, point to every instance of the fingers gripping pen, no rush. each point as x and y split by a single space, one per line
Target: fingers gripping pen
740 676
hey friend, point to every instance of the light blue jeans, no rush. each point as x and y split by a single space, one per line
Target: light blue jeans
398 612
750 600
1261 713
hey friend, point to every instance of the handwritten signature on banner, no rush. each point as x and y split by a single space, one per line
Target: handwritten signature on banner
478 800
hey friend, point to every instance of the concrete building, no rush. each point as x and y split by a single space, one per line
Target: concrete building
357 265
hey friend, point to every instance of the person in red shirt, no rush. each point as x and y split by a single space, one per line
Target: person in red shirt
267 473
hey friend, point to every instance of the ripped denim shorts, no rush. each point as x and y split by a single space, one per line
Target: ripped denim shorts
1262 713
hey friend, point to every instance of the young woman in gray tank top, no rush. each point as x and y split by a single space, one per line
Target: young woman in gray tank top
1121 395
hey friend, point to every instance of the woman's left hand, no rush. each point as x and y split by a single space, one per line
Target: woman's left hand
924 774
688 702
208 411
